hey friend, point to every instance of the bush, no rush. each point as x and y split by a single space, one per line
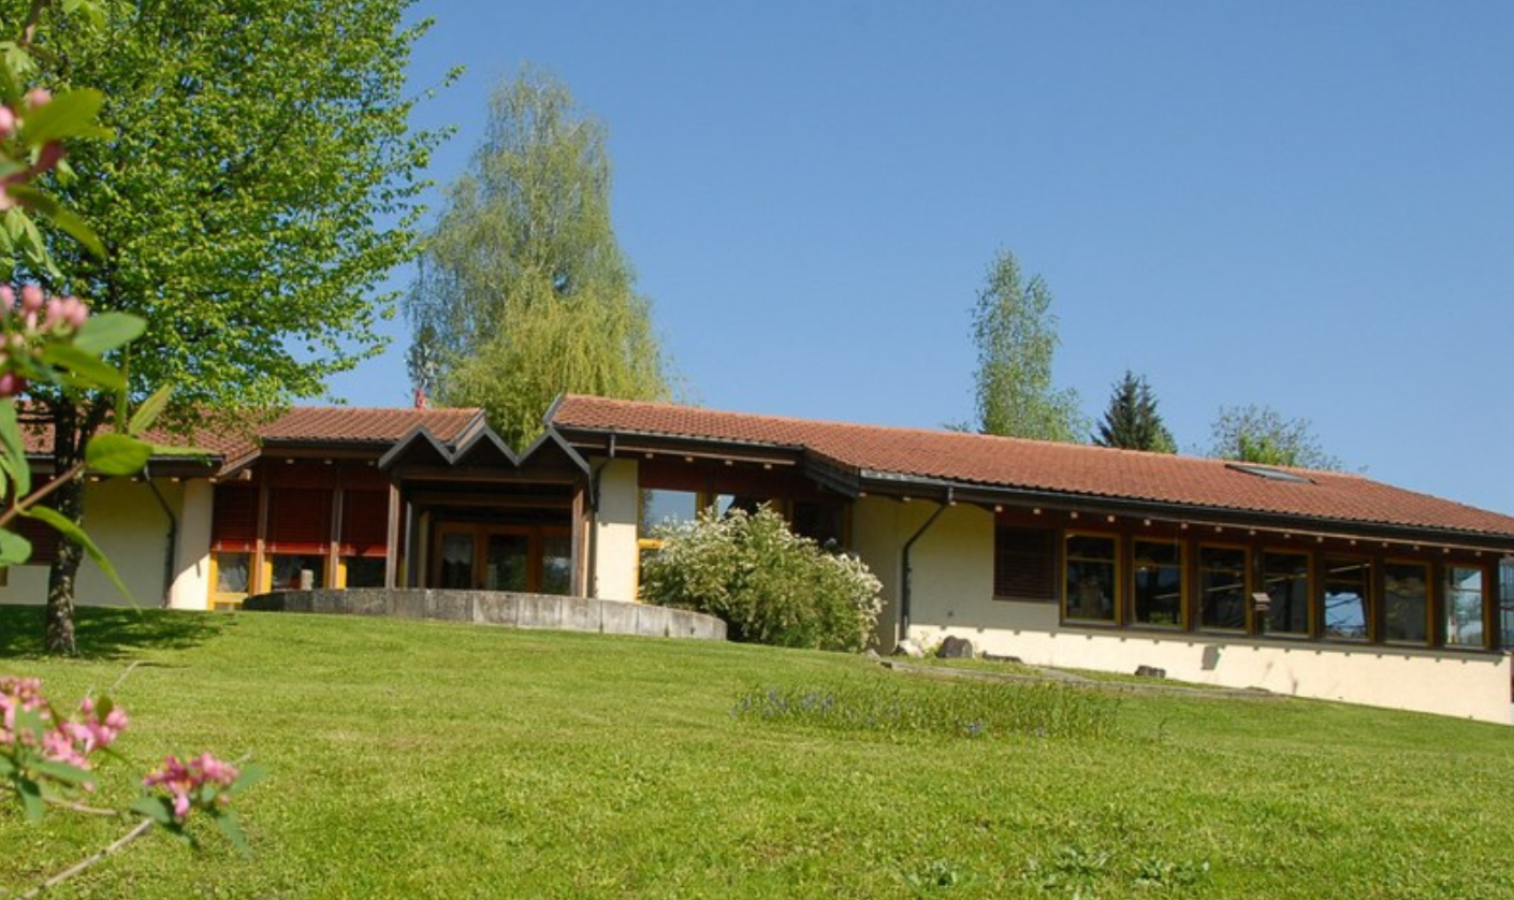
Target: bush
768 584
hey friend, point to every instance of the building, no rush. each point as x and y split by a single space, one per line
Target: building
1318 584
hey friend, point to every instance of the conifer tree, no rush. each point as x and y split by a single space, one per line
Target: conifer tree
1132 422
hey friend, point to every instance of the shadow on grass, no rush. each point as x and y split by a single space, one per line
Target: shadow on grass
110 633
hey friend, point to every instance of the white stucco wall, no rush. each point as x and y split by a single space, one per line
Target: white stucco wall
191 583
953 594
615 555
130 527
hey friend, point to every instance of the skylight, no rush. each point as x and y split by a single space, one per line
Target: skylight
1267 472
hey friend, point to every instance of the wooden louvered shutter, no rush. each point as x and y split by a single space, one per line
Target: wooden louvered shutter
299 520
1024 563
365 523
234 525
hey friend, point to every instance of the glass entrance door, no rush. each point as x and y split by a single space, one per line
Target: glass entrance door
507 566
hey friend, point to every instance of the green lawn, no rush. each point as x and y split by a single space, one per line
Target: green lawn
420 759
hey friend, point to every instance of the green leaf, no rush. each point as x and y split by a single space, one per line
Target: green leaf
69 529
47 206
250 775
116 454
31 798
14 549
107 331
226 820
14 461
82 367
71 114
155 808
148 412
62 771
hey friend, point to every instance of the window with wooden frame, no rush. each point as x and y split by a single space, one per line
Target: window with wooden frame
1224 590
1091 585
1345 597
1285 579
299 537
1462 592
1157 573
364 541
1024 563
1406 602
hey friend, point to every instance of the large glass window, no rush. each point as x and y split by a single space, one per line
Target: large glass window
1506 602
1092 585
291 571
363 571
1348 584
1285 578
1463 606
1158 596
1406 602
231 572
661 507
556 565
1223 597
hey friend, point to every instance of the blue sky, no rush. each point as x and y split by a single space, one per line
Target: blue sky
1305 205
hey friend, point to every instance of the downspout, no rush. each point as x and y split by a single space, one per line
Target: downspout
904 586
592 571
170 557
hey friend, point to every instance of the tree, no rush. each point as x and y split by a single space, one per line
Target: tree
1260 434
260 183
1132 422
1016 336
523 291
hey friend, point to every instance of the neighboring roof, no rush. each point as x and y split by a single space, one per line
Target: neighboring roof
315 426
880 453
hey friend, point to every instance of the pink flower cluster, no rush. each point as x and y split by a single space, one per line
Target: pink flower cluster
27 319
69 741
10 123
199 782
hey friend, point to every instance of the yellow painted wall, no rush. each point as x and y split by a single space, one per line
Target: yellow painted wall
127 523
191 584
616 557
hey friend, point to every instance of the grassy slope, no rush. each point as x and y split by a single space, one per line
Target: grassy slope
422 759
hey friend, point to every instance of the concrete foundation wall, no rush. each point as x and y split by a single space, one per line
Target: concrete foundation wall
499 608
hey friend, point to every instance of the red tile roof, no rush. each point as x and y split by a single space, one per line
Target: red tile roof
1072 469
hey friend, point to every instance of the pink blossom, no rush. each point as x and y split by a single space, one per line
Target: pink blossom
36 98
7 298
31 298
199 782
7 121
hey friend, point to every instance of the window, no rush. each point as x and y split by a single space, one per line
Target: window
1463 606
1506 602
288 571
231 572
1092 585
364 537
660 507
1406 602
1158 595
556 565
1348 584
363 571
1223 597
1023 563
1285 578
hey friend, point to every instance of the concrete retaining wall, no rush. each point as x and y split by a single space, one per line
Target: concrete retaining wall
499 608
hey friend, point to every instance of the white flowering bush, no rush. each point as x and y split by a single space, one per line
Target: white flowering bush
770 585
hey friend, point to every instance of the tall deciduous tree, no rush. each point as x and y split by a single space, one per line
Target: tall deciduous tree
1131 422
523 291
261 182
1016 336
1260 434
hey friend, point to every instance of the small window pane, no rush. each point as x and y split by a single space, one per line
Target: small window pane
1406 602
1092 578
364 571
231 573
661 508
1285 578
1463 601
1158 583
557 565
289 569
1347 586
1222 588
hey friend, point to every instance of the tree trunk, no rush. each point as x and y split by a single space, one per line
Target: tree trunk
68 500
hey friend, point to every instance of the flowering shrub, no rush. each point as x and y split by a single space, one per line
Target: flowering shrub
770 585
